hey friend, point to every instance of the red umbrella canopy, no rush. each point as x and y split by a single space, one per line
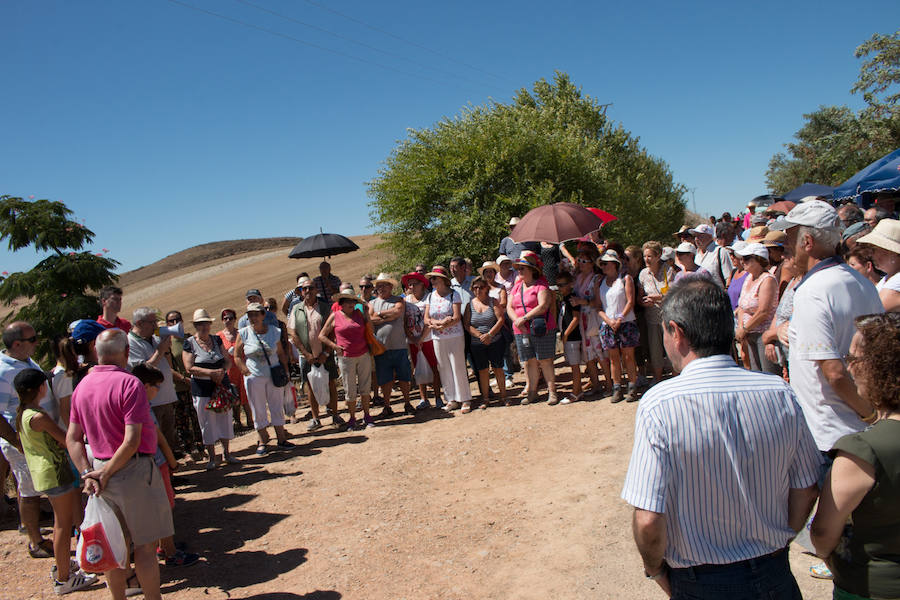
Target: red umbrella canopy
555 223
603 215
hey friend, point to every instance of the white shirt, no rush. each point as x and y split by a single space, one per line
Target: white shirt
889 284
716 260
825 305
9 399
614 299
716 450
140 350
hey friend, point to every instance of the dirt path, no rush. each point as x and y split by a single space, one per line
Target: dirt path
510 502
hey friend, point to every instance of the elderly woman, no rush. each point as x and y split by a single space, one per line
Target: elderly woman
684 262
589 317
483 318
207 361
229 335
885 243
345 332
256 350
756 309
418 335
443 315
496 290
531 303
655 280
856 528
619 333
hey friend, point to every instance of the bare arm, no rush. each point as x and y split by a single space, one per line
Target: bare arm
240 359
386 316
8 433
166 449
649 529
837 376
42 422
890 299
800 503
325 335
768 290
849 480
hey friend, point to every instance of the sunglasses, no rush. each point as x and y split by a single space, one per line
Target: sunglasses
584 261
175 320
30 340
367 286
228 319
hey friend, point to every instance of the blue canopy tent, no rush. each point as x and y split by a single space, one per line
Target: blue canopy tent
883 175
808 189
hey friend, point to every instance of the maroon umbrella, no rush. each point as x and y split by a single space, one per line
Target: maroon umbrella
555 223
784 206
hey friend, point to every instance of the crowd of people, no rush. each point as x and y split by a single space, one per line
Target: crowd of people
128 400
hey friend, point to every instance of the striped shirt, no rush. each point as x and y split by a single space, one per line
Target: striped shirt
716 450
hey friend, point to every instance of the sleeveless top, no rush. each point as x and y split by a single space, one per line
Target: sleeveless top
749 302
203 387
866 560
350 333
47 461
483 321
614 299
441 307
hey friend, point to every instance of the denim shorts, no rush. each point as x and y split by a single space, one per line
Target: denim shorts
392 364
59 490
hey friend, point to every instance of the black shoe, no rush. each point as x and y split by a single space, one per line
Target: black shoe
617 396
386 412
409 409
632 395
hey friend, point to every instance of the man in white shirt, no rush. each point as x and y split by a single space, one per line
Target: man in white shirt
711 256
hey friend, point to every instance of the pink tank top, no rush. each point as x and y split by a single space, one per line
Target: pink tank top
749 302
350 333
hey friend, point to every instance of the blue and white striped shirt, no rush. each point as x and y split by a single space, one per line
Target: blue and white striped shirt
716 450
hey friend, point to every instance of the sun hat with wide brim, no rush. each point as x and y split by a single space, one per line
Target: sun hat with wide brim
201 316
385 278
439 271
530 259
345 296
685 230
413 275
255 307
886 235
609 256
758 233
502 259
686 248
488 265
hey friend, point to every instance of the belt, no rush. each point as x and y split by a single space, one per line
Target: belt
134 457
750 562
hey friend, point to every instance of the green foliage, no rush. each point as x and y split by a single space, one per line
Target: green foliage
57 290
451 189
836 142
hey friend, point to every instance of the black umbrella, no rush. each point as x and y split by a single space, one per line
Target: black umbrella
323 244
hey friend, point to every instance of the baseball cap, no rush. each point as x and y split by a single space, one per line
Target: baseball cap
814 213
737 245
668 253
86 331
253 292
686 248
703 229
753 250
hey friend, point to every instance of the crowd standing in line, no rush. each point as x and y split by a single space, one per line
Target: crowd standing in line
715 305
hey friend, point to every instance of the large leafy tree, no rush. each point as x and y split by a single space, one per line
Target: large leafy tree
58 290
452 188
835 142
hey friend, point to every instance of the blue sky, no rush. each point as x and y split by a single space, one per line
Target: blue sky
164 127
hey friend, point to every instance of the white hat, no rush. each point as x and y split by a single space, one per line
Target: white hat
514 221
488 265
814 213
668 253
502 259
385 278
737 245
886 235
609 256
703 228
754 250
686 248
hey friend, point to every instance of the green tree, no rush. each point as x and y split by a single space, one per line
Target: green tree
452 188
835 142
58 289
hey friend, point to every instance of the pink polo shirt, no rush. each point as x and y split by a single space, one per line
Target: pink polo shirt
106 400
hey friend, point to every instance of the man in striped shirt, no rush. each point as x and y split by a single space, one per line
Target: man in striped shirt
723 471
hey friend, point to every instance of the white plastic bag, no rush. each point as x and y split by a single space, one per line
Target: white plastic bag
318 381
423 372
101 544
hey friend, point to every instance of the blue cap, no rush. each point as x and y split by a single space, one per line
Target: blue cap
86 331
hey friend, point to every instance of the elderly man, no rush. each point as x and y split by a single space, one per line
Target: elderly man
110 411
295 296
723 470
712 257
326 284
20 341
111 302
462 279
387 311
875 214
724 234
828 298
849 214
146 347
269 317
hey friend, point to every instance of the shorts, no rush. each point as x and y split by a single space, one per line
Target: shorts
572 352
60 490
330 366
356 374
628 336
487 356
139 495
427 351
540 347
392 364
20 469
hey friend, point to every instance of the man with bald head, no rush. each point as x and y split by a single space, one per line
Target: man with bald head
20 341
110 410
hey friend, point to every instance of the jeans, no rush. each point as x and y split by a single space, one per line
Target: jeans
766 577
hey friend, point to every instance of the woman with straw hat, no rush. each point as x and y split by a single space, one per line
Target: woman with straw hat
443 315
885 243
207 361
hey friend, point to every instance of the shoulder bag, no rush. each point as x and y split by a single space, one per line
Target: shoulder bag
538 324
279 375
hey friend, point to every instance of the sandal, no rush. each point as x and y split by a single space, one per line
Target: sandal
466 407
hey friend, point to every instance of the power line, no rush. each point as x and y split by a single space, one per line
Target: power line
404 40
357 42
300 41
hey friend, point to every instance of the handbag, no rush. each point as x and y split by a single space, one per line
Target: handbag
375 347
278 372
538 324
223 398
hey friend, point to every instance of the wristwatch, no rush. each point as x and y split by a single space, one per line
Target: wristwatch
659 574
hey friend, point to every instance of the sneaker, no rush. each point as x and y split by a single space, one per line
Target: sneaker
387 411
439 405
232 460
820 571
285 444
73 567
632 394
211 465
617 396
314 424
78 580
42 550
408 409
423 405
510 382
182 559
337 421
369 421
552 399
262 449
352 424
